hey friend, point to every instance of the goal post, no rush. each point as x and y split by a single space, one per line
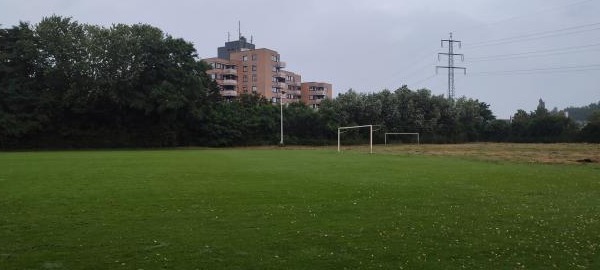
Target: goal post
363 126
401 133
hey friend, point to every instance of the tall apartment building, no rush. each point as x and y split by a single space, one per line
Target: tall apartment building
241 68
313 93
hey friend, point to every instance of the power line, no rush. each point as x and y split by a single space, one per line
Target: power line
532 36
420 68
423 80
538 70
539 11
537 33
532 56
411 66
514 40
536 52
527 14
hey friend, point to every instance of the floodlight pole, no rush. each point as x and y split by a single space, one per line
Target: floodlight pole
281 117
338 140
371 138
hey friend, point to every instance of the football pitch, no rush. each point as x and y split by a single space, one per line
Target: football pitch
293 209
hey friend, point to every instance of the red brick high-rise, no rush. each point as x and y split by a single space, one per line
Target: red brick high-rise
241 68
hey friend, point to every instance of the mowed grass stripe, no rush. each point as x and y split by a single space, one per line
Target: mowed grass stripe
302 209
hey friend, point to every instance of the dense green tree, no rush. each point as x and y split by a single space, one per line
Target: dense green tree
581 114
436 118
470 122
304 125
591 131
248 120
67 84
21 112
497 131
542 126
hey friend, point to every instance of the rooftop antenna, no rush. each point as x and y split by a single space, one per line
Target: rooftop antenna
239 29
228 36
251 39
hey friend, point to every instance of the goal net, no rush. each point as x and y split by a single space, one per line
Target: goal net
401 134
344 129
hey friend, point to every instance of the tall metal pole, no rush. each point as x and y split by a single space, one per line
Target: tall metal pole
451 66
281 117
450 69
371 138
338 140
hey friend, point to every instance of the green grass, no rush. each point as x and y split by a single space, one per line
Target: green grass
300 209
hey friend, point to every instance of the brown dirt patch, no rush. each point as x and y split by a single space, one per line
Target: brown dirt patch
563 153
557 153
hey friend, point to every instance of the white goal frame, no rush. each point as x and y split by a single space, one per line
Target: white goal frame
363 126
402 133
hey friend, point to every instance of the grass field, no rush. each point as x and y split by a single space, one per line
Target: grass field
294 209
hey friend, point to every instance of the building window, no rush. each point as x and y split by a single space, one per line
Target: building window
253 67
219 66
254 57
245 58
254 89
254 77
245 78
245 89
274 90
245 68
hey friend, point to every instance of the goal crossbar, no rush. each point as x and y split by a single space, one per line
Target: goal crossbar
363 126
401 133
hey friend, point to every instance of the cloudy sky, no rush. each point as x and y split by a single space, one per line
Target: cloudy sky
516 51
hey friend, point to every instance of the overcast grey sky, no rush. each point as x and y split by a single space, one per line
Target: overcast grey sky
516 51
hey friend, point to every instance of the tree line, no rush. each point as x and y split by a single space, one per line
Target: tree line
65 84
583 114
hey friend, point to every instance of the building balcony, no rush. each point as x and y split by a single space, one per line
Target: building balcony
230 71
280 74
315 101
318 93
294 92
280 64
280 85
289 100
213 71
229 93
229 82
